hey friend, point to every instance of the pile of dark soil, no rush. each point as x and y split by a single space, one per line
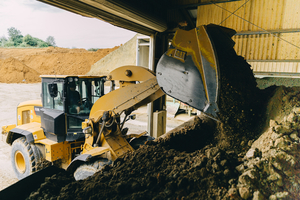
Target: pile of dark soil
171 168
155 172
49 189
197 160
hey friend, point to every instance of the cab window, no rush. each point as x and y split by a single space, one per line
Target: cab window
82 94
53 102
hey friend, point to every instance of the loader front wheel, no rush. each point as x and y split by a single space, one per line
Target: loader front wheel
24 158
90 168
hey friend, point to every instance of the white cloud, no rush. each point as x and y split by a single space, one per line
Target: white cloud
69 30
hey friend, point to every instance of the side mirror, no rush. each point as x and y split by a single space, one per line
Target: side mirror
52 87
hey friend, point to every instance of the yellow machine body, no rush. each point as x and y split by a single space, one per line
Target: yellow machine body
26 113
128 98
138 86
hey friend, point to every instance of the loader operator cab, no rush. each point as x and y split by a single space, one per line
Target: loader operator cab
67 102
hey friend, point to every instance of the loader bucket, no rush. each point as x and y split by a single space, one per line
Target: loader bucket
189 70
23 188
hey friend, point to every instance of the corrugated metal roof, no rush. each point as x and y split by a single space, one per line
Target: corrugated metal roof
266 50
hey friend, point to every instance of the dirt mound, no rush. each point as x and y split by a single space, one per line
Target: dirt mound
271 166
125 55
51 60
14 71
155 172
269 169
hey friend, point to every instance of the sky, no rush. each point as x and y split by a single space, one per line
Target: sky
69 30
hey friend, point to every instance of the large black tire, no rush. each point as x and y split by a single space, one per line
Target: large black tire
25 158
90 168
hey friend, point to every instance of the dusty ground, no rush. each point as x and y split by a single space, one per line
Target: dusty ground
12 94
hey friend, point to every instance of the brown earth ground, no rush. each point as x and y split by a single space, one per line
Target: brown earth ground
26 65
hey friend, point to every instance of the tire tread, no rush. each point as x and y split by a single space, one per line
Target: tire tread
32 154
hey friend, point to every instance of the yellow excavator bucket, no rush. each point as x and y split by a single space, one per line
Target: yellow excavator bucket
189 70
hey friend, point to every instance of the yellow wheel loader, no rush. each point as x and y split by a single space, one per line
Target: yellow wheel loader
75 122
50 129
82 138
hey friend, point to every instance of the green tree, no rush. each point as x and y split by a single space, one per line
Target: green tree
93 49
50 41
3 40
42 44
18 40
15 36
24 44
13 33
9 43
28 39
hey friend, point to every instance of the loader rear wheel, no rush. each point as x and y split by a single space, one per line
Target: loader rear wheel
88 169
25 158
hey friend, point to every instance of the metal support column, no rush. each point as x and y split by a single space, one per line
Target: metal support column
150 105
160 45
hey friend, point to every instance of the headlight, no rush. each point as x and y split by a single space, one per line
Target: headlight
87 130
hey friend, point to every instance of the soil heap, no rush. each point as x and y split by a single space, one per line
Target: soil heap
14 71
251 153
26 65
124 55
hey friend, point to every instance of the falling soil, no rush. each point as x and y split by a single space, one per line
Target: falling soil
26 65
203 158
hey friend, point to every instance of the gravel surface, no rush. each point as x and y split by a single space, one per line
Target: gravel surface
11 96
